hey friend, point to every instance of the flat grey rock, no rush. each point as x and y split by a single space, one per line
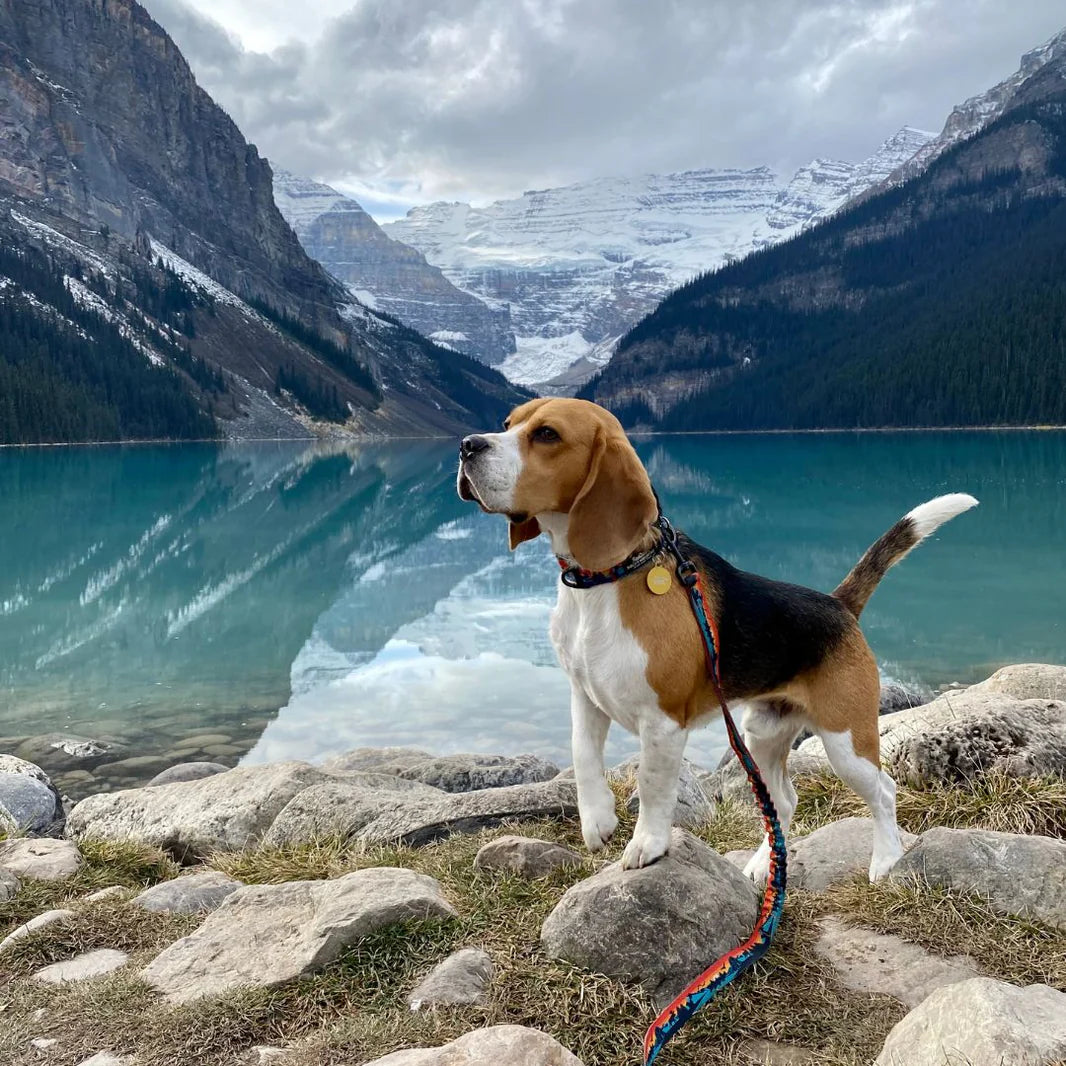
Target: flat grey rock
898 696
758 1052
833 853
35 925
190 819
981 1022
658 926
67 751
189 894
461 979
866 961
1015 873
41 860
340 807
473 772
82 967
359 760
187 771
501 1045
417 821
268 935
9 885
524 856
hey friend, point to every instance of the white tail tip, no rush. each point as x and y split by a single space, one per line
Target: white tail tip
934 513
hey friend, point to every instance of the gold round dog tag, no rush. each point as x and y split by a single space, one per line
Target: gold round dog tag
659 580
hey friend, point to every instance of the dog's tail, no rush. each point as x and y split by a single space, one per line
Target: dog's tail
906 534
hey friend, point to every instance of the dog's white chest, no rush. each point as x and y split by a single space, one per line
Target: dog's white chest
601 656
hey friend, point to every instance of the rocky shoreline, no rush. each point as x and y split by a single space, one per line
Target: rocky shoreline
209 885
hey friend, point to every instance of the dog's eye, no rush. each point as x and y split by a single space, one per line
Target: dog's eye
545 435
506 424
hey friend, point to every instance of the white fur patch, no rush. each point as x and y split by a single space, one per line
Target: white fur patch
929 516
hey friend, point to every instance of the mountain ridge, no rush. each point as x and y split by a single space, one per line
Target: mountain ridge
109 152
580 264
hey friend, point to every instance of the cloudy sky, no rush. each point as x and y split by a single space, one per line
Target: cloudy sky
407 101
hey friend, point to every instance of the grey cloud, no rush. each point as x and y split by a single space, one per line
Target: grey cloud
476 98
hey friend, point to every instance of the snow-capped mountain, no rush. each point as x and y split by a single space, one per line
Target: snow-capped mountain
387 275
974 114
579 265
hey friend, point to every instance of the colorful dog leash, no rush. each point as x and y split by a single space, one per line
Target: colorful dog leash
700 991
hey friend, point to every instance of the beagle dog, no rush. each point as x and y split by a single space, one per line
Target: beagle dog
795 658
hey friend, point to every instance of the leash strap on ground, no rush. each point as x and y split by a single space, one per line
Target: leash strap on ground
699 992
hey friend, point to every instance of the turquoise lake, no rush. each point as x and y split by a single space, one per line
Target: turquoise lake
271 601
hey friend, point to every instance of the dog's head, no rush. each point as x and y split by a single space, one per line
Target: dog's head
568 457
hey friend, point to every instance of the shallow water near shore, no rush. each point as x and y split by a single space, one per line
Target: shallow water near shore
258 602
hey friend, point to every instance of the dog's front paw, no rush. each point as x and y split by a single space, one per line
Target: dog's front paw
598 823
644 849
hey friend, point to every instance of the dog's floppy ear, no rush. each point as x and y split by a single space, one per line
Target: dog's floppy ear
520 532
614 508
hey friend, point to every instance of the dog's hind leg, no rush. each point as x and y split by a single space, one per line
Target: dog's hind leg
595 800
770 727
865 776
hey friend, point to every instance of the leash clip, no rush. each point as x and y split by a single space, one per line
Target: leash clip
686 573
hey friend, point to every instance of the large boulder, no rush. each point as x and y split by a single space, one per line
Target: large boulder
461 979
833 853
268 935
472 772
866 961
1027 681
359 760
189 819
981 1022
191 894
658 926
35 808
340 807
502 1045
1017 874
981 728
524 857
41 860
420 821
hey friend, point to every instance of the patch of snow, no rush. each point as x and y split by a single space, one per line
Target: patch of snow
366 297
61 240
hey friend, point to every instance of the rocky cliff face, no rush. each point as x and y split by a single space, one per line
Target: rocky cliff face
974 114
387 275
580 265
112 157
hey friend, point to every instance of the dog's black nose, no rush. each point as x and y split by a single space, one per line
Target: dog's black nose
472 445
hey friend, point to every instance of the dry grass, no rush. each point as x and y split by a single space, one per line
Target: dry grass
355 1011
991 801
952 923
